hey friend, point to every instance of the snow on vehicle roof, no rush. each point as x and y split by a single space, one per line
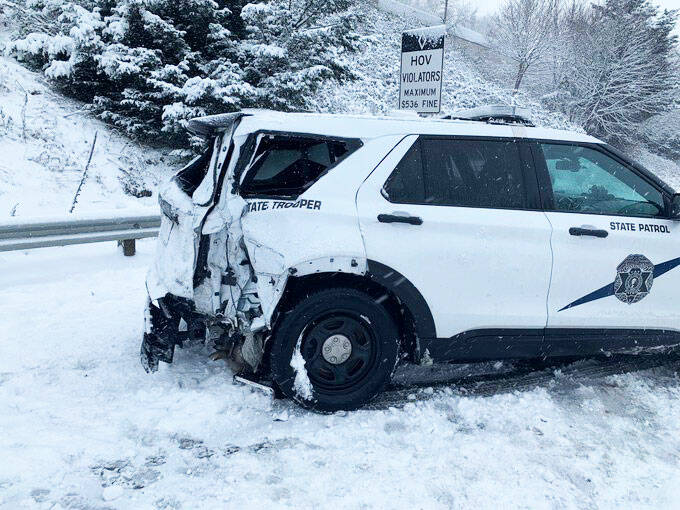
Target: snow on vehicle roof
367 127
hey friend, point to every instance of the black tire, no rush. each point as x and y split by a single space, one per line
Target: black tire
318 322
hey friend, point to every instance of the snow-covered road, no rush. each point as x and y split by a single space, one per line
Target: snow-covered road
82 426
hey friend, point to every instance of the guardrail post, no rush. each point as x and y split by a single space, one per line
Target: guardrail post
128 247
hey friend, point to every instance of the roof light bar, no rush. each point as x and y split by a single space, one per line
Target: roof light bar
494 114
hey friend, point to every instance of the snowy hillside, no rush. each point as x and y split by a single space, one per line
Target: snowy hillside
45 140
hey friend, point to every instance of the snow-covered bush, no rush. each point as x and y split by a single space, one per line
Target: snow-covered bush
289 53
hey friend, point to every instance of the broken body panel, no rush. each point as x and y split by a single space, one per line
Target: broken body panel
223 262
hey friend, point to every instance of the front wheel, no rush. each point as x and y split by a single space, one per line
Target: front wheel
334 350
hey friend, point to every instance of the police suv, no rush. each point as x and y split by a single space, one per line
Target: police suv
315 251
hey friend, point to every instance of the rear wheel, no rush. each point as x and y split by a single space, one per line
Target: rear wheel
335 349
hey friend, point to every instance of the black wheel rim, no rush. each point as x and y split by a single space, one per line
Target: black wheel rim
342 377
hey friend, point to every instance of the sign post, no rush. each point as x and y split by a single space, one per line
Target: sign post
422 66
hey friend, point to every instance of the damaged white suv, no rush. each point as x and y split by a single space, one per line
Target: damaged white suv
316 251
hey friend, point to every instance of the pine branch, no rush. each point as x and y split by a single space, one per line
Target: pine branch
310 12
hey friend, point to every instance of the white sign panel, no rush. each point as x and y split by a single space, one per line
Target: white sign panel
422 64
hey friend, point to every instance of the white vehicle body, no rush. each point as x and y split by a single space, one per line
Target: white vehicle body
474 282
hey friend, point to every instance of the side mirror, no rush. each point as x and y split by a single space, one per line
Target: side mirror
675 207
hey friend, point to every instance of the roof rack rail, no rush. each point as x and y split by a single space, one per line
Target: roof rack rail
493 114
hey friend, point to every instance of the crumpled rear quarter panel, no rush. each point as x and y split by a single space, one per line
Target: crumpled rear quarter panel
320 229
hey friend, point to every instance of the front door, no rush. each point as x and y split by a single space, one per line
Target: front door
457 218
615 252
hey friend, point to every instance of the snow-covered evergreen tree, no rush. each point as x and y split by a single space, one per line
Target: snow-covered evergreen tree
149 65
293 46
154 48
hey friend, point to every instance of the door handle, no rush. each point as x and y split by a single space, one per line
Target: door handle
579 231
393 218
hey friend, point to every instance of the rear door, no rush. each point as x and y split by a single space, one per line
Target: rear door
460 219
615 252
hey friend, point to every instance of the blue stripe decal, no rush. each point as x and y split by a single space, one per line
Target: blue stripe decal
664 267
603 292
608 290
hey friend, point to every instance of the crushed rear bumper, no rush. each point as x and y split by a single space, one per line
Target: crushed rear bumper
164 329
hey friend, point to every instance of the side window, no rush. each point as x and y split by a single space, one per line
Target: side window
454 172
473 173
405 185
469 173
585 180
286 166
192 175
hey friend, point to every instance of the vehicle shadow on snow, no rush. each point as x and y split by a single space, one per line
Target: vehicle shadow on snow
416 383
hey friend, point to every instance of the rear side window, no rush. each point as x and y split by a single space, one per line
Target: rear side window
190 177
456 172
285 166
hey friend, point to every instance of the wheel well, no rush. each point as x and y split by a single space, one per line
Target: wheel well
298 288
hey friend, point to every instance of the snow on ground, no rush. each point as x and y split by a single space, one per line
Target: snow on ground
45 140
83 427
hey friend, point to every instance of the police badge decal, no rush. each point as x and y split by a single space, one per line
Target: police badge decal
634 279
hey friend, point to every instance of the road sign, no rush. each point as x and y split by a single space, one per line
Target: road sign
422 65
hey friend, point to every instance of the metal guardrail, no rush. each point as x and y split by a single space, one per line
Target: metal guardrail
41 234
